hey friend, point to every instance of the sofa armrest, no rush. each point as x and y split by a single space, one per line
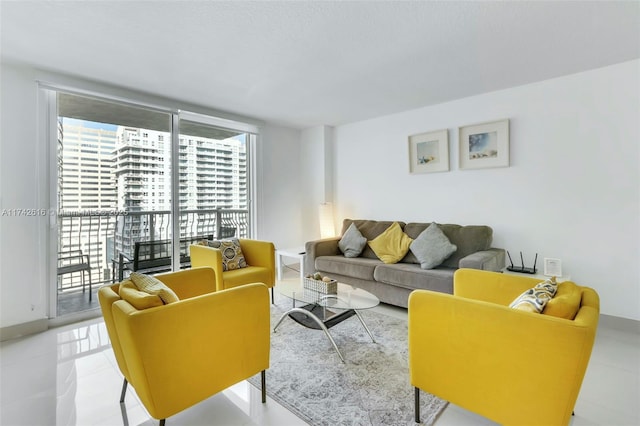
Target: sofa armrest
492 259
181 353
506 357
313 249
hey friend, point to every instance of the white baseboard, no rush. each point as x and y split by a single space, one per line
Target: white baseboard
25 329
618 323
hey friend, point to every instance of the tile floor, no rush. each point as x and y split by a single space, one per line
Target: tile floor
68 376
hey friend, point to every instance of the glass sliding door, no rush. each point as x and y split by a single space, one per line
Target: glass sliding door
114 194
136 186
213 181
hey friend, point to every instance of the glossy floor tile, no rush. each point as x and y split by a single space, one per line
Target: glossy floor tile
68 376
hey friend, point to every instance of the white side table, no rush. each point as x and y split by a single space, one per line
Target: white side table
537 276
296 253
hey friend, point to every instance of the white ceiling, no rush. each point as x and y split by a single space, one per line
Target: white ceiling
308 63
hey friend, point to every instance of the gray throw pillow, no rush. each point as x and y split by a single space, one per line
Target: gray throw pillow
432 247
352 242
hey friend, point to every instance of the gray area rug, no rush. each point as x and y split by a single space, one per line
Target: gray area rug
371 388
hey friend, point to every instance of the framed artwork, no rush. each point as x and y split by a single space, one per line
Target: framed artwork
552 267
429 152
484 145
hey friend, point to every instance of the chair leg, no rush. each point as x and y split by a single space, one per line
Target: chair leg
263 377
162 422
89 284
124 390
272 302
417 405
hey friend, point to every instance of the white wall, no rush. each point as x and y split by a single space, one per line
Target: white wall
23 242
572 190
25 279
316 177
279 187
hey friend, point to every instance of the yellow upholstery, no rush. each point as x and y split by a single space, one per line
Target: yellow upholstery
179 354
511 366
260 256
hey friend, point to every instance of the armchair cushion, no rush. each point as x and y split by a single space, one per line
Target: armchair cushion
232 257
152 285
432 247
391 245
566 302
137 298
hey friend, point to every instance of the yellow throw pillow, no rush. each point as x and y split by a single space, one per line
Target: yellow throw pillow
391 245
566 302
138 299
152 285
535 299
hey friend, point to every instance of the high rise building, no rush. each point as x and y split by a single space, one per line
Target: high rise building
87 181
86 185
212 176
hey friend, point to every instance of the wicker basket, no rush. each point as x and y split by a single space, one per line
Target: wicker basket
320 286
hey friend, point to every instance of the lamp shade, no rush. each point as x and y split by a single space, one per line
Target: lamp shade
327 227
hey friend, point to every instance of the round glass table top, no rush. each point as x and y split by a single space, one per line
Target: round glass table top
347 297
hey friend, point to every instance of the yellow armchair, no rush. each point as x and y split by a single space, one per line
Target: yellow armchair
260 257
511 366
179 354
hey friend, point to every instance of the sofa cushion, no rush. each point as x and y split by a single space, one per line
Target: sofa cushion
357 267
431 247
411 276
152 285
392 245
566 303
232 257
468 239
369 229
352 242
535 299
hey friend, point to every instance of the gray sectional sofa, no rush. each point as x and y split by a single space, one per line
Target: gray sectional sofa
392 283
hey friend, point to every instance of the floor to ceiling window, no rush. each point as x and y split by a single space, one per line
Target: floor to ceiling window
137 185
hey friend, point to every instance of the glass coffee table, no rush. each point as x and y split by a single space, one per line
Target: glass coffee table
317 309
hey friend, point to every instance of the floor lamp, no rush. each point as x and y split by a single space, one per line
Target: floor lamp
327 227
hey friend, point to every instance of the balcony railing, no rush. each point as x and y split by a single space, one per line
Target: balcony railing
103 235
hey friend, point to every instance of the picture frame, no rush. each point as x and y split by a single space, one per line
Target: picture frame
484 145
552 267
429 152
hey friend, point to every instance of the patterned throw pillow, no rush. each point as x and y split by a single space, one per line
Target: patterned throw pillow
535 299
152 285
232 257
391 245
